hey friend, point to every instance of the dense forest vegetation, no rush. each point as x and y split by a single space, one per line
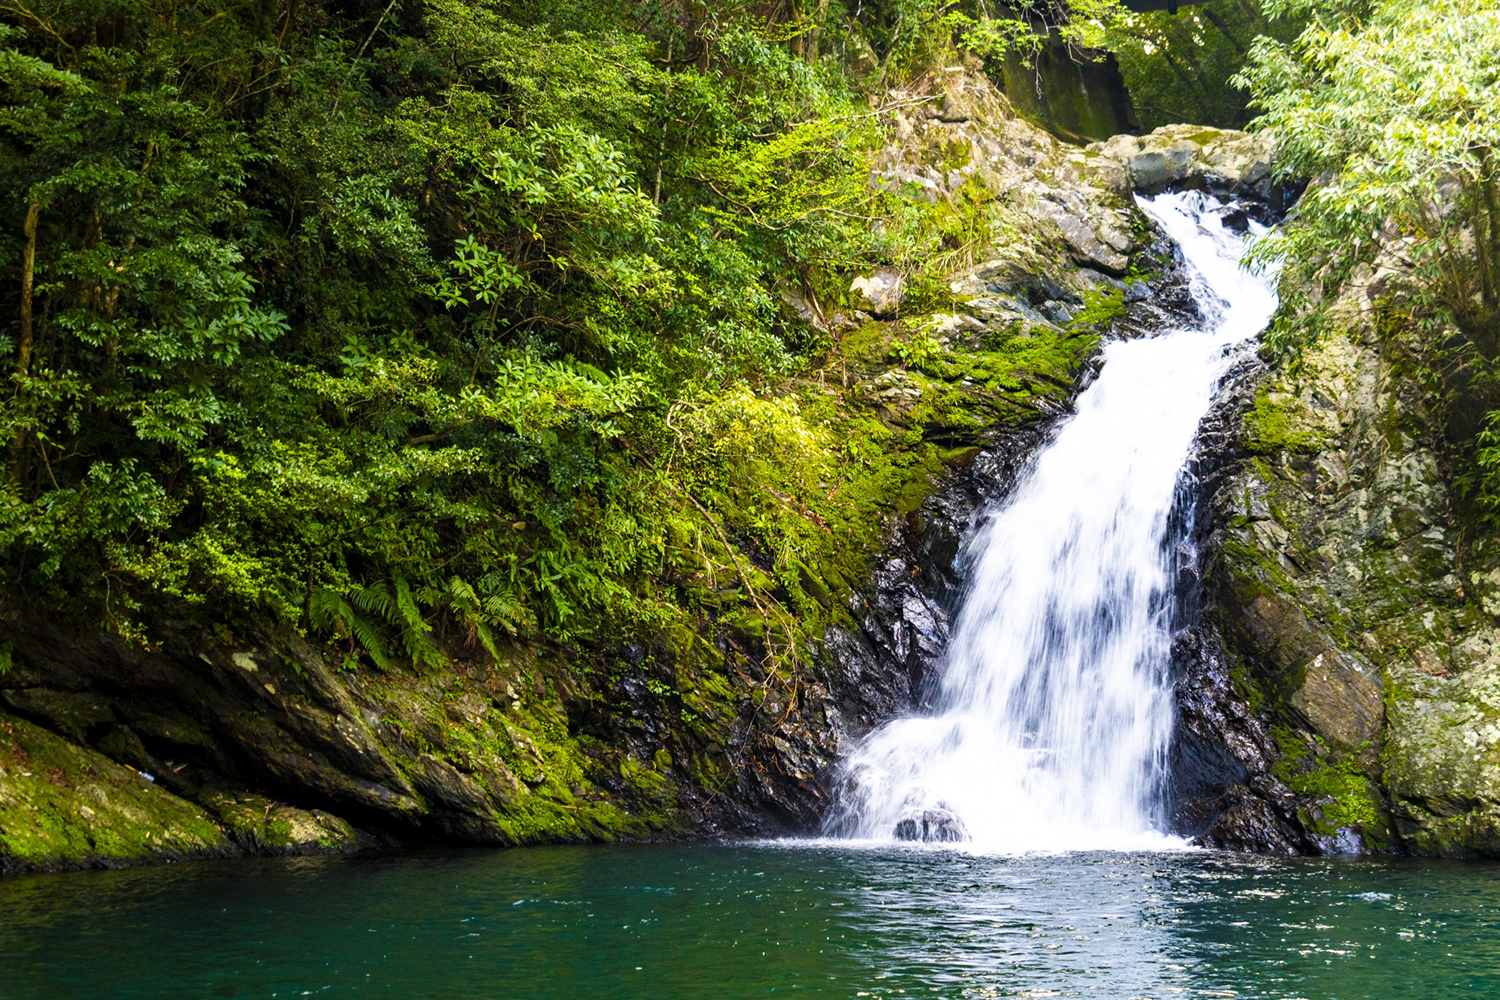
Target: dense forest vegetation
1394 109
428 320
359 315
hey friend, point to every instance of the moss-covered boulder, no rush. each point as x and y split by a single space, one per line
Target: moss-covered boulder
65 806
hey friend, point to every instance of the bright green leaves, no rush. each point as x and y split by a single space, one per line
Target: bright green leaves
1487 458
1326 10
477 274
522 395
206 310
96 534
527 397
365 219
777 185
1398 116
560 247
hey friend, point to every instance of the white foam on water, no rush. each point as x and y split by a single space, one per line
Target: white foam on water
1052 721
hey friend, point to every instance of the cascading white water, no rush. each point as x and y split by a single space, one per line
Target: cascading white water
1052 723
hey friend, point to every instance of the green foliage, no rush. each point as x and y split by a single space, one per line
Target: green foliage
471 315
1180 66
1393 109
1396 113
1270 427
919 350
1487 460
1099 307
1023 26
1341 787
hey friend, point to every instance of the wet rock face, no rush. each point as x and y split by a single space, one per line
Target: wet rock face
1246 821
79 785
64 806
1353 701
262 747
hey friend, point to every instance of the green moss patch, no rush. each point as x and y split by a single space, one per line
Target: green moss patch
1342 793
1275 426
505 729
65 806
264 826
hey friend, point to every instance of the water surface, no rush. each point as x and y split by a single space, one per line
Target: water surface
695 922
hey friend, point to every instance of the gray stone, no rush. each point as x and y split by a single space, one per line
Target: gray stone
1223 161
933 826
881 293
1089 242
1342 700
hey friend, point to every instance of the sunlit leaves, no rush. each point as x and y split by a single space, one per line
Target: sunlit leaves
1394 112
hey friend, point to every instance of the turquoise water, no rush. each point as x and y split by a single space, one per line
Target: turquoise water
704 921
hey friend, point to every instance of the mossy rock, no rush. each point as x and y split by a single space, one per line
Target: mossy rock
264 826
62 806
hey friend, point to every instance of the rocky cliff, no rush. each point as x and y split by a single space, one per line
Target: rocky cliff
1339 694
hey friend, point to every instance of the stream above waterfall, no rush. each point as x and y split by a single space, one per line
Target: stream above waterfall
723 922
1052 717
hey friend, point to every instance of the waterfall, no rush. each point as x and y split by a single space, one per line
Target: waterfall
1051 725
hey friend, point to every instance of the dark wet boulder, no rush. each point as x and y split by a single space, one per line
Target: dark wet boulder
932 826
1249 822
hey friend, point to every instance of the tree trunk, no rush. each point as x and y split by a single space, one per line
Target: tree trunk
23 349
28 269
1481 221
817 29
1224 30
1490 254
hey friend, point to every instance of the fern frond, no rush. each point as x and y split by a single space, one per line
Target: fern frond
487 640
411 615
367 634
325 608
375 599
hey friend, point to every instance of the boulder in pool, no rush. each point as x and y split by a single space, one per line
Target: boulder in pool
933 826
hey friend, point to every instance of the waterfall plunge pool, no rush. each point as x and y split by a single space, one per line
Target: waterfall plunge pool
720 922
1052 729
